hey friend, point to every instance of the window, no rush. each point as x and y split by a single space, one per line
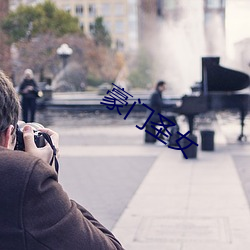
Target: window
119 26
170 4
91 27
132 10
82 26
79 10
107 25
67 8
132 26
215 4
119 44
92 10
119 9
106 9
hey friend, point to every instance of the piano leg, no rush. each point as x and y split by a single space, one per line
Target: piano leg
241 137
243 114
190 123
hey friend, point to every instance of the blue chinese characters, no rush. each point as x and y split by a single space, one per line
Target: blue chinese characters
118 98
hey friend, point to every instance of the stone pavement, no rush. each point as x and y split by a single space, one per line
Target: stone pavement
189 204
176 203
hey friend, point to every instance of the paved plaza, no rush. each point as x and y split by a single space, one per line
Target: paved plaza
153 198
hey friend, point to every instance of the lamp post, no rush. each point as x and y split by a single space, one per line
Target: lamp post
64 51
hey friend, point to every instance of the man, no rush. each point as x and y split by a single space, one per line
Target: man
35 212
156 103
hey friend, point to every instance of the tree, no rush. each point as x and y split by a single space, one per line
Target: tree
5 62
93 64
42 18
141 75
100 33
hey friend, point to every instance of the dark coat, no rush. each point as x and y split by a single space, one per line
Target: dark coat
156 102
36 214
31 94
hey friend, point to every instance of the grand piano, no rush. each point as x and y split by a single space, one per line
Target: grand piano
220 89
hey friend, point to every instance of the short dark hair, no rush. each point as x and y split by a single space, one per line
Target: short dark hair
159 84
9 104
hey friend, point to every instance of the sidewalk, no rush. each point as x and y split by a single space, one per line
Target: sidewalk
194 204
150 196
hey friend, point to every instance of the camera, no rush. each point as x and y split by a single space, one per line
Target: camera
38 137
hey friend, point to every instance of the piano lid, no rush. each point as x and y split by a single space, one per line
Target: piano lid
217 78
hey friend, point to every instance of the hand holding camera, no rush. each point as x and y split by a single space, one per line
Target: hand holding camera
41 142
38 137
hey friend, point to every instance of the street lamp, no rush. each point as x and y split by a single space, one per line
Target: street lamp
64 51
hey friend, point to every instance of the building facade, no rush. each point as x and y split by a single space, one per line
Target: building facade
176 11
120 18
15 3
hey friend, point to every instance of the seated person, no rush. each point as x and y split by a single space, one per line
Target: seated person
156 103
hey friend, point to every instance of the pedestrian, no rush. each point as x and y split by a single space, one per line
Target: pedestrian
29 92
35 212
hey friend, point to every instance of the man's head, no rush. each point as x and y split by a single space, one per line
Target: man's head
161 86
9 112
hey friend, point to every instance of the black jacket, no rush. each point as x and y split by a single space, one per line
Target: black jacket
156 102
32 93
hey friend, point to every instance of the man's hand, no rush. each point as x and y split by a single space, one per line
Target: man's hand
45 153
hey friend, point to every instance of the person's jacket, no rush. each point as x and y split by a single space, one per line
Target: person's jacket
156 102
36 214
31 93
